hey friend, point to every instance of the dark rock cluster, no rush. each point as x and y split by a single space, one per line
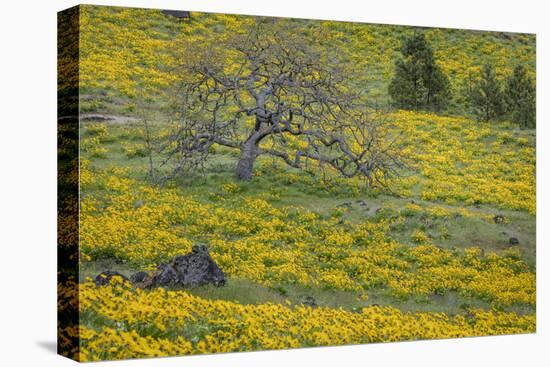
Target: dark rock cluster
105 277
191 270
310 301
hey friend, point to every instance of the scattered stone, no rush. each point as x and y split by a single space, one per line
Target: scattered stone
180 14
513 241
498 219
105 277
347 204
139 277
138 204
361 202
310 301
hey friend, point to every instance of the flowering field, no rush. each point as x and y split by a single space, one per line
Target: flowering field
144 65
252 239
446 250
298 250
158 323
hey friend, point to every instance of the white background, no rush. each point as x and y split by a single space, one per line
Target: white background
28 181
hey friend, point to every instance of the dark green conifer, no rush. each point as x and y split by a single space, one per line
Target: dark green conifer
486 95
521 97
418 82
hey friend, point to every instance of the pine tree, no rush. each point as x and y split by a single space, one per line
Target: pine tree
486 96
418 82
521 97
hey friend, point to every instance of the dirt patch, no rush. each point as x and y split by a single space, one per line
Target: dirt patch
116 119
98 117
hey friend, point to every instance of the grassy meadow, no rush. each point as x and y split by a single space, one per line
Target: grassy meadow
448 250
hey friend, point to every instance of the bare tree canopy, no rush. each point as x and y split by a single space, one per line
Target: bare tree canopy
271 91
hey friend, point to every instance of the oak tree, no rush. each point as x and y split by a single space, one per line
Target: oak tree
261 90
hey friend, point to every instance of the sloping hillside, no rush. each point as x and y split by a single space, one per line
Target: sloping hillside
144 63
447 250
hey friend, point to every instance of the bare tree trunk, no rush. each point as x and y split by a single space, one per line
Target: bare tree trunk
249 153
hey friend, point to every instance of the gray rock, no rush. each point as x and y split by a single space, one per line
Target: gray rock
105 277
180 14
310 301
139 277
513 241
163 276
197 268
191 270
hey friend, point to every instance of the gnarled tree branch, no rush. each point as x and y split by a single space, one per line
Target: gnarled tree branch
257 91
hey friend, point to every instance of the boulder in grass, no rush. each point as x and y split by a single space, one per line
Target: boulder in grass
163 276
513 241
139 277
197 268
191 270
105 277
310 301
